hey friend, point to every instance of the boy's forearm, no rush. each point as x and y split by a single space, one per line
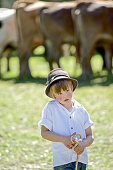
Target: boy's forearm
88 141
53 137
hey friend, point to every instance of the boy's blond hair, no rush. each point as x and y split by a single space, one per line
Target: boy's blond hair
62 84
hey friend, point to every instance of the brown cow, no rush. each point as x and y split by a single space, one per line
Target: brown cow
26 2
57 29
28 17
93 23
29 34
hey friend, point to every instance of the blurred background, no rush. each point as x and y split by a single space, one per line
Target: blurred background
22 100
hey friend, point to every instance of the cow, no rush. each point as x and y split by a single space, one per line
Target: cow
31 37
93 27
57 29
17 3
8 33
26 2
29 34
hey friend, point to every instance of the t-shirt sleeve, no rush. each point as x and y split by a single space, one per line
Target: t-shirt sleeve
87 121
46 119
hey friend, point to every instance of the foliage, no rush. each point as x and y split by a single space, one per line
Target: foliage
21 103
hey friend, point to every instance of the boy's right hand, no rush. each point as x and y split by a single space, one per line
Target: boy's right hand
67 142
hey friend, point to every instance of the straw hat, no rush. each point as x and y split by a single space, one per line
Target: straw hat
58 74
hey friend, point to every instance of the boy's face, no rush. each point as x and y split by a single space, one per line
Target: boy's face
64 97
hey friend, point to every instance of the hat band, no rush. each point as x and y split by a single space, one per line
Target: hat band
54 77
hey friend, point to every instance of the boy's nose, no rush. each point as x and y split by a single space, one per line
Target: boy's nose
65 94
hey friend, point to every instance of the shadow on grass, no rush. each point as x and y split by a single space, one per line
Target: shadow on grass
102 80
37 80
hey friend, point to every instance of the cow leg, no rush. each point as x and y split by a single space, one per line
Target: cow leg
101 51
8 55
53 53
49 53
58 54
24 63
86 68
50 66
85 56
0 67
24 69
24 45
8 67
58 64
108 57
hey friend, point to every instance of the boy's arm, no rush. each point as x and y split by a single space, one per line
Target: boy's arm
86 142
89 137
47 134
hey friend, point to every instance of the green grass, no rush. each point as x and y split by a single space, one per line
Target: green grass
21 103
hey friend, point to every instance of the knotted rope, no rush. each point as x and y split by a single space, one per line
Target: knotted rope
75 141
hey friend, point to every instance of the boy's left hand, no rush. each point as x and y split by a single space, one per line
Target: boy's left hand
79 148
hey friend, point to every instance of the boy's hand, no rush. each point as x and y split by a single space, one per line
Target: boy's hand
79 148
67 142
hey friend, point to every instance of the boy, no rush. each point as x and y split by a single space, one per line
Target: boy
62 117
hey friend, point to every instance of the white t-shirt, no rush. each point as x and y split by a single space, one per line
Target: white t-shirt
59 120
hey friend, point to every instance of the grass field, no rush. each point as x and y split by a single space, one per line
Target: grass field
21 103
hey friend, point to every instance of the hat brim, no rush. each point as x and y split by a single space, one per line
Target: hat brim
74 82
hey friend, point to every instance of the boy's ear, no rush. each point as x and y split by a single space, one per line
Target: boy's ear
72 87
54 96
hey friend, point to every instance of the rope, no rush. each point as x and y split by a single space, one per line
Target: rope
75 141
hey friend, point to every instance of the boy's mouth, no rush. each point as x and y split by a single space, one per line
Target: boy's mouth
66 100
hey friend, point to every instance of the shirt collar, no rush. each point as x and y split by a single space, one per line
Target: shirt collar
74 107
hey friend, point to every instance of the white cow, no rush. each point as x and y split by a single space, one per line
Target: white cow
8 32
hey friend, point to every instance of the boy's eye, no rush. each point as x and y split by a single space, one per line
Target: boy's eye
59 93
67 89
